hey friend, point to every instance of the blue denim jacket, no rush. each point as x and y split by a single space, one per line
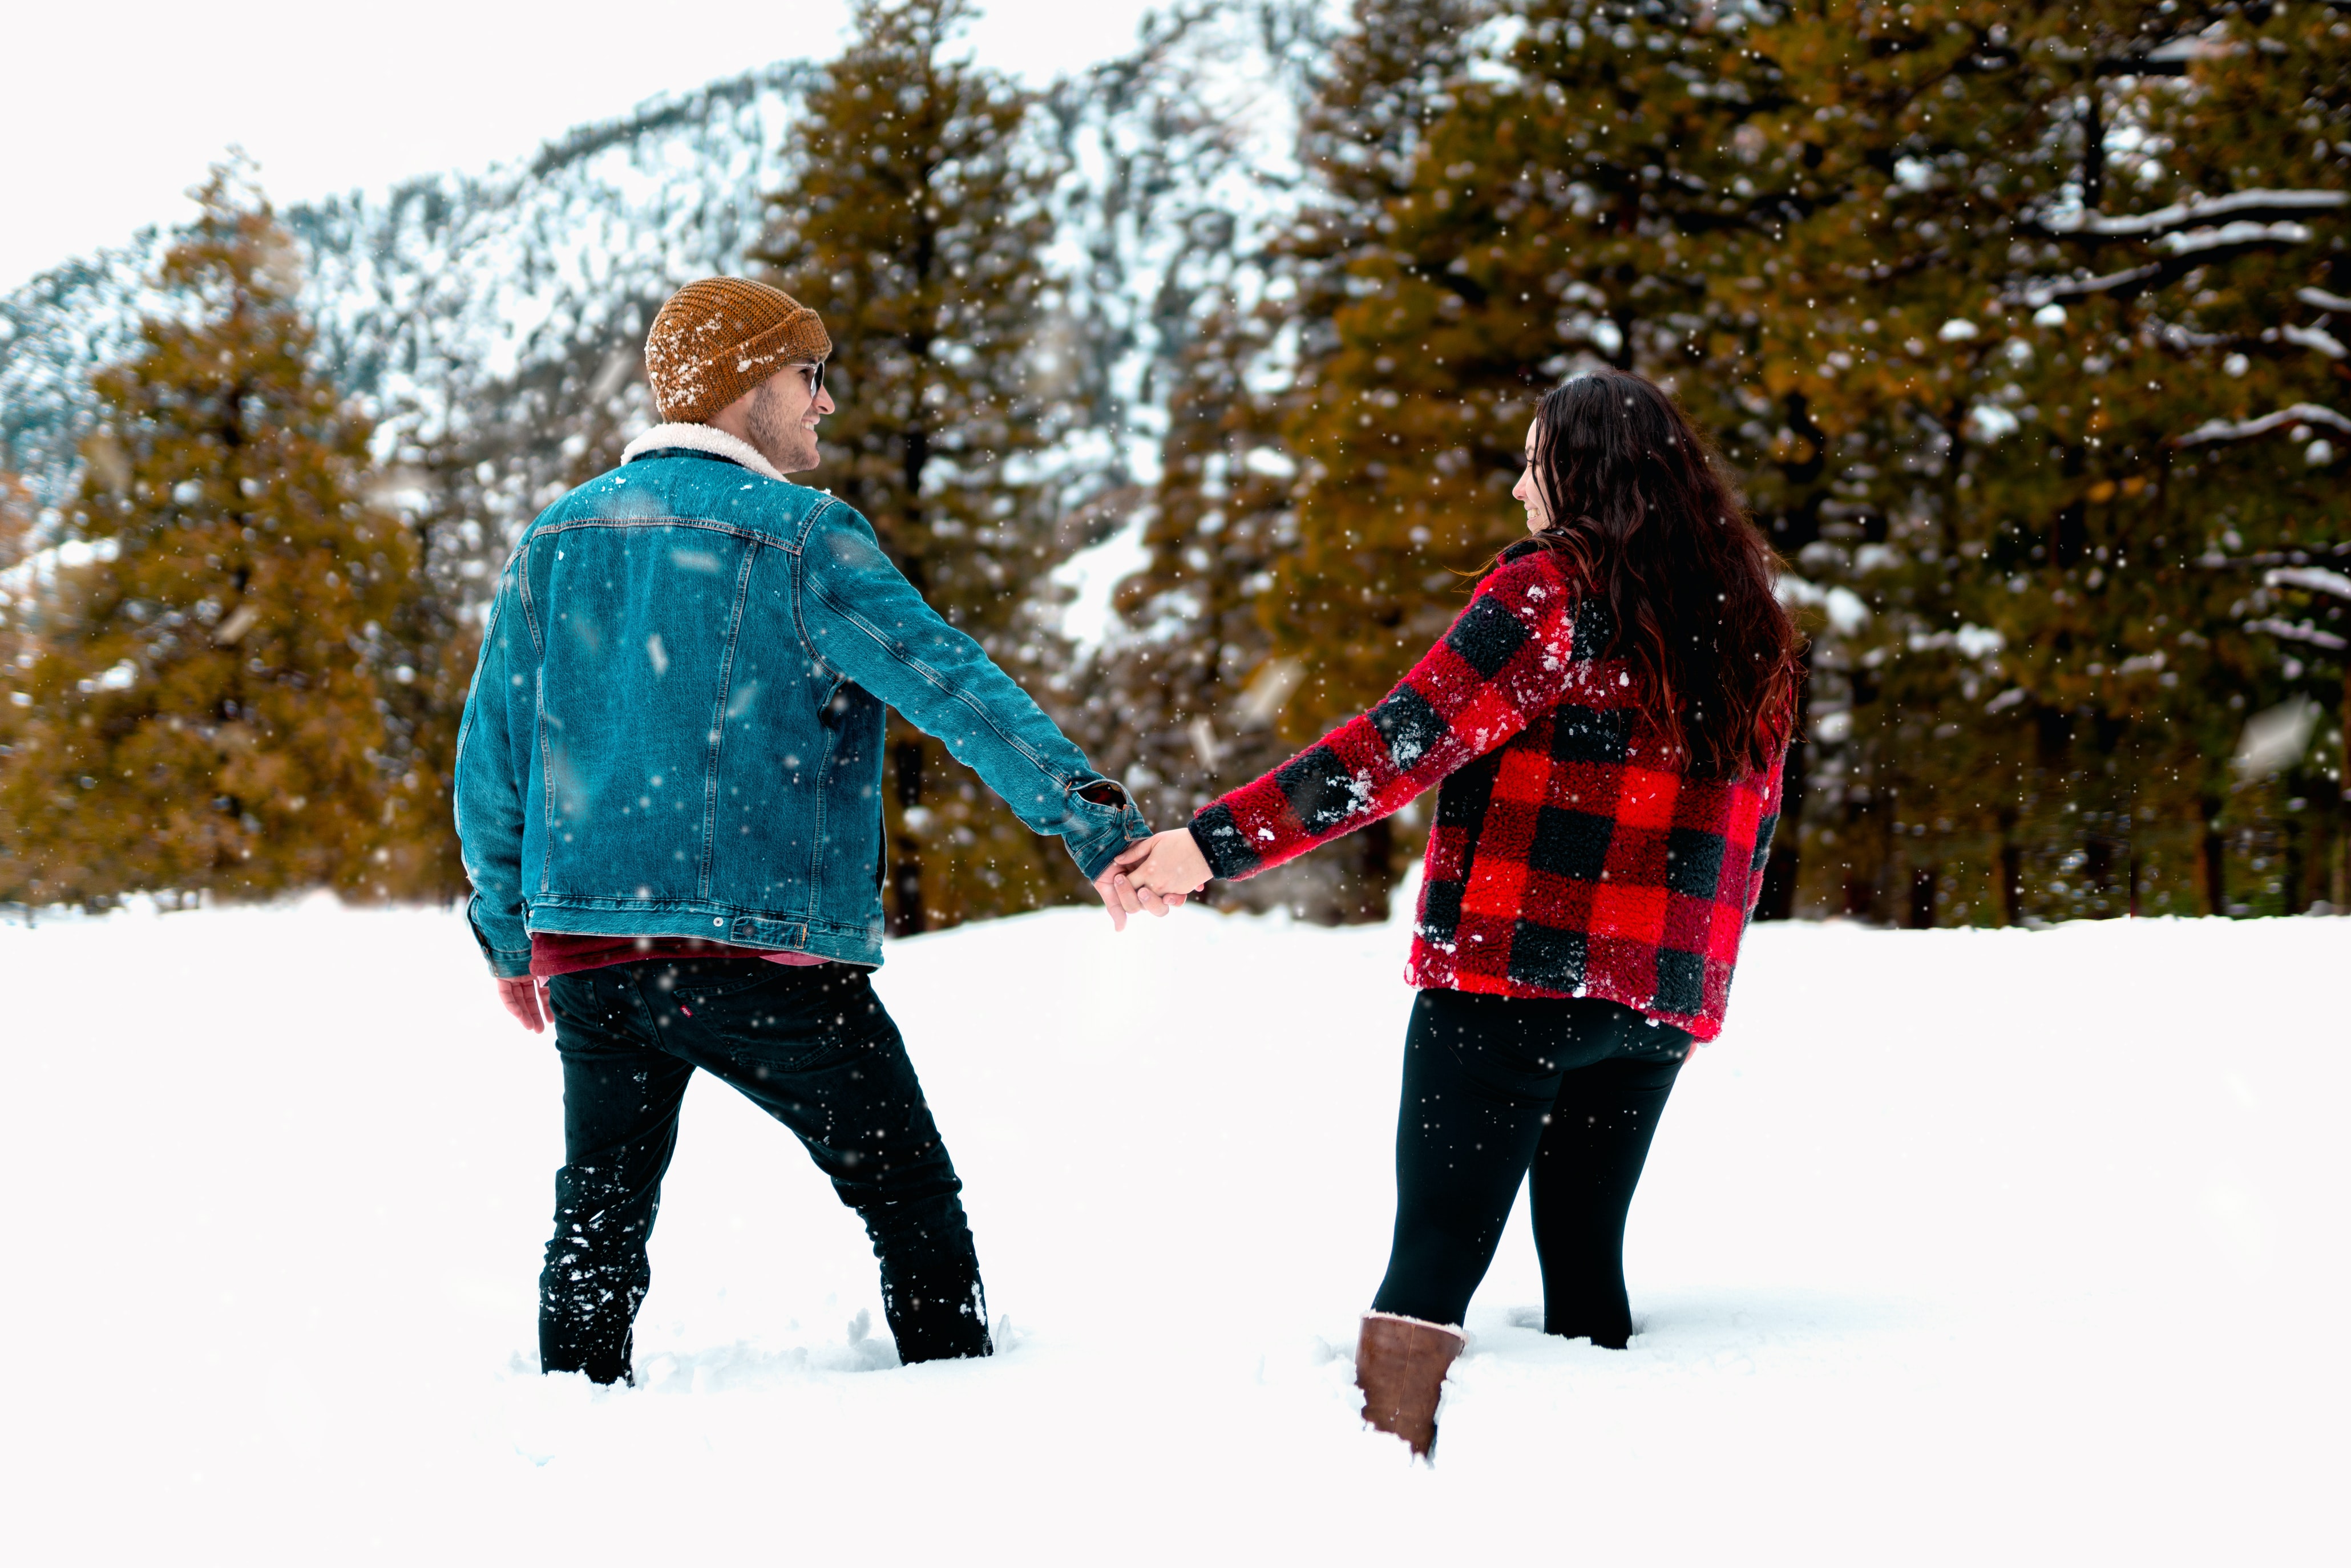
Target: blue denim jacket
676 727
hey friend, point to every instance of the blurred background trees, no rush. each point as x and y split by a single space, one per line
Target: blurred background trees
1193 388
206 690
2016 322
917 224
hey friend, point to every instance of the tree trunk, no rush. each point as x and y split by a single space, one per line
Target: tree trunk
1922 897
2216 862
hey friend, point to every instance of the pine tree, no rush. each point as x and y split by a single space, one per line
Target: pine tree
916 225
18 515
2033 250
1242 663
1190 696
214 661
1945 283
1181 700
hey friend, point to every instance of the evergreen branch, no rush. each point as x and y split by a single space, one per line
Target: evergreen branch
2302 632
2215 431
2314 338
2046 291
2182 340
2191 250
2201 243
2214 559
2201 213
2310 579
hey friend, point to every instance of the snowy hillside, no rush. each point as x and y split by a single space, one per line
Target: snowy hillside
449 283
1958 1247
492 322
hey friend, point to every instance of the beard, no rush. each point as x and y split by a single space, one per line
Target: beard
779 436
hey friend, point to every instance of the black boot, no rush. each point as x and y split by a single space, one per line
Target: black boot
588 1307
937 1313
602 1348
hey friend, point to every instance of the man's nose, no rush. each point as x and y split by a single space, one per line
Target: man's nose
824 403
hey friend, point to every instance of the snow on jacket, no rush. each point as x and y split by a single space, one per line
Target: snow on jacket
1572 853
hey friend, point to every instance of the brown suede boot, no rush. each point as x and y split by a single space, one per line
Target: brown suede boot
1400 1366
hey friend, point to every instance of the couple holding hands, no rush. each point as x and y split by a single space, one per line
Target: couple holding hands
668 783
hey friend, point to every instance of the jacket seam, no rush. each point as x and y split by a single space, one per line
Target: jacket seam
946 687
718 723
757 535
522 595
798 552
545 777
823 778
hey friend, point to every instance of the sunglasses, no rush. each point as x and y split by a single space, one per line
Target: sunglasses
815 374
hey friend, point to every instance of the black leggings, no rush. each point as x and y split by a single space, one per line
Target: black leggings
1500 1088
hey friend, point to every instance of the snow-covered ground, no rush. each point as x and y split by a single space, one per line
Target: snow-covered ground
1958 1247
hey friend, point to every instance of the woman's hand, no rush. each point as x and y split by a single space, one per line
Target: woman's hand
1169 865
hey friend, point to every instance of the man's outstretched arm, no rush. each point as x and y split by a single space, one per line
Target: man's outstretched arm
865 620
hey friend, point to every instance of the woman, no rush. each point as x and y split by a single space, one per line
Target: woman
1608 720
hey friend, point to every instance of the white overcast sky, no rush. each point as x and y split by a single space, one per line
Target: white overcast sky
110 115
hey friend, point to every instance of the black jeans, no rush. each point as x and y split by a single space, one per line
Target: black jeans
811 1047
1565 1093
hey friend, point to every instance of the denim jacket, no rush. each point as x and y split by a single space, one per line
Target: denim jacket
675 726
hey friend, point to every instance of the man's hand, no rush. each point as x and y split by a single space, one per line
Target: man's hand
1167 865
1122 897
526 999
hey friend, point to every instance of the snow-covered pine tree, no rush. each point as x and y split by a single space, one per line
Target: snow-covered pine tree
1181 700
1310 594
1892 165
1511 197
1839 232
211 665
18 515
916 223
2033 259
2250 226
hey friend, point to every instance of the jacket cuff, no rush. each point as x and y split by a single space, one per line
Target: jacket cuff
506 963
1094 845
1221 843
1095 852
510 963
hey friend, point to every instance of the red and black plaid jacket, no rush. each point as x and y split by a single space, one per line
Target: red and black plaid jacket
1571 855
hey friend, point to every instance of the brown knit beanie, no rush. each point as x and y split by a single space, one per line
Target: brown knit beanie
717 338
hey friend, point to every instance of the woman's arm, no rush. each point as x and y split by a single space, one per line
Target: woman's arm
1511 653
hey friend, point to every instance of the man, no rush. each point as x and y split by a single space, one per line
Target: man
668 790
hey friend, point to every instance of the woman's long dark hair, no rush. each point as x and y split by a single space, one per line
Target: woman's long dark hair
1642 512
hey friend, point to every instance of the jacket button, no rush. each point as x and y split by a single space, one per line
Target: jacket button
717 920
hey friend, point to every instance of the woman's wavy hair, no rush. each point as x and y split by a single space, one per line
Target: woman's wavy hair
1646 518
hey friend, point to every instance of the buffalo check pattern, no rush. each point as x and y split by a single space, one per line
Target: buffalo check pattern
1571 855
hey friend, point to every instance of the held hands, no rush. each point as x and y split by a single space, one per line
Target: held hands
1156 873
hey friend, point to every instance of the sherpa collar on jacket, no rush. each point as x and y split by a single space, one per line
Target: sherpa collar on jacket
701 438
